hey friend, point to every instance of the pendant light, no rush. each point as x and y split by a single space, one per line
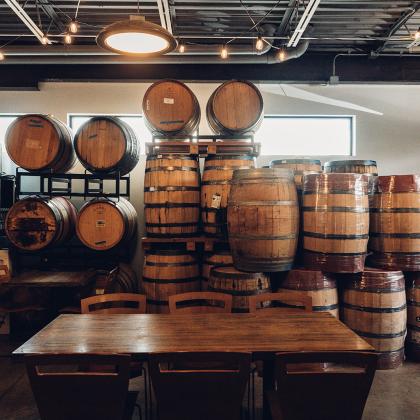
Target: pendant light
136 37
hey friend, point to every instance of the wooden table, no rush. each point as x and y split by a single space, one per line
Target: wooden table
140 335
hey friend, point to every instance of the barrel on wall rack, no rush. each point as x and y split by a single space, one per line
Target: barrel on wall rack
106 144
166 273
215 189
236 107
413 315
335 222
218 258
395 223
172 195
374 307
104 223
38 142
263 219
239 284
171 109
35 223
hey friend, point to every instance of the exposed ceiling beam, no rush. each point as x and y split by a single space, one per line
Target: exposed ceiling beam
303 22
49 10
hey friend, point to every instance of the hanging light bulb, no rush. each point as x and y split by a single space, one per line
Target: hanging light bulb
417 35
259 44
282 55
67 39
2 57
224 52
181 48
45 40
73 27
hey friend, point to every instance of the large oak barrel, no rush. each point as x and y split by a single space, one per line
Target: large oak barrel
351 166
107 145
167 273
172 195
104 223
236 107
37 142
335 222
170 108
218 258
374 307
36 222
322 288
395 223
215 189
413 315
263 219
241 285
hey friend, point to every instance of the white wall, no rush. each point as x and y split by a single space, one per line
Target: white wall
393 140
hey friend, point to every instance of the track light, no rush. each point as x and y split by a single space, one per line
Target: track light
73 27
417 35
2 57
181 48
259 44
224 52
44 40
67 39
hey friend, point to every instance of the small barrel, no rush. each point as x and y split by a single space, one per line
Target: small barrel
335 222
107 145
412 344
263 219
167 273
215 189
352 166
374 307
322 288
218 258
239 284
104 223
236 107
37 142
35 223
299 167
170 109
395 223
172 195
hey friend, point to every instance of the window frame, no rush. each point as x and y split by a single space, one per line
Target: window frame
70 115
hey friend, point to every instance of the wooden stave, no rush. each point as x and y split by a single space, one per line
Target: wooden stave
125 210
335 187
351 166
385 287
65 158
219 280
412 343
130 157
189 220
218 128
175 265
281 241
214 221
218 258
189 127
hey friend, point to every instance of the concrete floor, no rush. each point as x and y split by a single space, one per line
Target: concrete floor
395 394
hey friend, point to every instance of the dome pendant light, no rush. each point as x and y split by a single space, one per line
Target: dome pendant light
136 37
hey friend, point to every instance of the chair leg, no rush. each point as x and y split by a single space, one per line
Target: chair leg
139 410
146 397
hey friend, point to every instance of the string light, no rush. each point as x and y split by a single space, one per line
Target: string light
282 55
417 35
67 39
73 27
2 57
181 48
224 52
259 44
44 40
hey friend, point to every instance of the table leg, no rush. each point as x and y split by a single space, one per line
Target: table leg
268 385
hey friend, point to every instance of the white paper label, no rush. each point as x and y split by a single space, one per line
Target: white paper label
169 101
216 201
32 144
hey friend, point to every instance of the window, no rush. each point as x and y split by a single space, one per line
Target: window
6 165
307 135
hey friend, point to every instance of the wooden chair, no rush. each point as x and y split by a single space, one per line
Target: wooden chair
106 304
206 303
63 392
290 301
204 394
324 395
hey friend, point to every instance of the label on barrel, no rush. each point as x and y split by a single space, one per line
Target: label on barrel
100 223
216 201
32 144
417 318
169 101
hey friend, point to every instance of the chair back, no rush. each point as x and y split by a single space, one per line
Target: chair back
63 392
114 303
200 302
339 392
292 299
204 393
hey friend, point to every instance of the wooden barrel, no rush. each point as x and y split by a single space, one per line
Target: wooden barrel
351 166
335 222
239 284
236 107
218 258
167 273
395 223
104 223
263 219
413 315
299 167
322 288
170 108
37 222
374 307
107 145
37 142
172 195
215 189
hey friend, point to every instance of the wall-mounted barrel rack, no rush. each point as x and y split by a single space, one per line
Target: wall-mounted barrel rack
204 145
192 243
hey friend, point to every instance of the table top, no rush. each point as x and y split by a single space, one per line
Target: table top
40 278
141 335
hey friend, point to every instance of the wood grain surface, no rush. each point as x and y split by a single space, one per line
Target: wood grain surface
38 278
